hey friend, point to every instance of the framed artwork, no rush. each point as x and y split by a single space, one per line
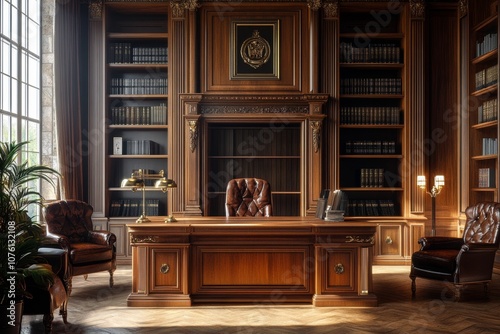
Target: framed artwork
254 50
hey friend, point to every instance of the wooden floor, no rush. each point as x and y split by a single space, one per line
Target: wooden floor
95 308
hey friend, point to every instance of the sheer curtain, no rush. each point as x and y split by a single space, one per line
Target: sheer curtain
67 97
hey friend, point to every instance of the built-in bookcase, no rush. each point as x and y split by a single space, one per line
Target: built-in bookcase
136 103
263 150
483 97
371 112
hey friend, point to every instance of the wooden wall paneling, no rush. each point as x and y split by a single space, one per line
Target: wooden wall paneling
215 51
464 112
442 136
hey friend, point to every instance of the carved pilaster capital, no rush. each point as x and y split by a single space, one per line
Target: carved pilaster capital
314 4
178 7
316 134
417 9
331 9
193 134
95 9
463 7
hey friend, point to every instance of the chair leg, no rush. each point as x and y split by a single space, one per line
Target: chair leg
47 322
458 292
413 286
63 311
85 276
69 284
111 279
485 289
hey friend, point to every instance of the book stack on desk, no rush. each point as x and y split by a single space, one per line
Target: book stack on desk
336 205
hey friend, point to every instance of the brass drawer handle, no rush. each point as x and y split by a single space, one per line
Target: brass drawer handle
388 240
339 268
165 268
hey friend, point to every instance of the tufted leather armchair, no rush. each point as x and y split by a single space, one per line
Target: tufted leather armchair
461 261
70 223
248 197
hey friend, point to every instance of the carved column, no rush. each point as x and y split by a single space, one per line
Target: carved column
329 85
416 104
97 110
181 77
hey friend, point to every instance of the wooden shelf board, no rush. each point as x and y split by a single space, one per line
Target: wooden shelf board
371 96
370 189
371 126
486 90
129 66
484 189
373 65
138 35
485 57
371 156
137 96
138 127
488 22
485 157
254 157
395 35
484 125
139 156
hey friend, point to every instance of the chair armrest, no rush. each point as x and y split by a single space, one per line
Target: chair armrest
56 241
428 243
102 238
471 247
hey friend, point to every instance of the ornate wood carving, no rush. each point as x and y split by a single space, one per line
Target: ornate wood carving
193 134
224 109
314 4
331 10
316 132
95 10
463 7
178 7
417 8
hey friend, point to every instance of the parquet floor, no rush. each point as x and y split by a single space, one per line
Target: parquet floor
95 308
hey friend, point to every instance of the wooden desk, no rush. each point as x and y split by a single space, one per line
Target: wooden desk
264 260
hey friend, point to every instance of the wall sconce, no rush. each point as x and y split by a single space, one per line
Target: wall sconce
435 190
165 185
137 182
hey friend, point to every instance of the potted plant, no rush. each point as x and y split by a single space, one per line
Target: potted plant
20 234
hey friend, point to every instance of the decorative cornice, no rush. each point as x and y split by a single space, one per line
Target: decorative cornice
331 9
178 7
148 239
193 134
417 8
314 4
316 133
95 10
254 109
463 7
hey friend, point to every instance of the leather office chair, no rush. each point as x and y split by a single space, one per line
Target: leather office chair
70 221
45 300
248 197
461 261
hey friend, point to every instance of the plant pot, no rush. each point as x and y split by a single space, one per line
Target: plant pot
12 318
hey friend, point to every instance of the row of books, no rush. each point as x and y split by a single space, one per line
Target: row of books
486 178
486 44
139 86
371 177
370 147
370 115
373 53
133 207
145 115
370 86
490 146
487 77
125 53
487 111
371 207
141 147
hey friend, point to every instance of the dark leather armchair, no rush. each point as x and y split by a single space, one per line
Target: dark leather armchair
70 222
45 300
248 197
461 261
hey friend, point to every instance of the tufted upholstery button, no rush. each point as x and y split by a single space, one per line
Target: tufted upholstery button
248 197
